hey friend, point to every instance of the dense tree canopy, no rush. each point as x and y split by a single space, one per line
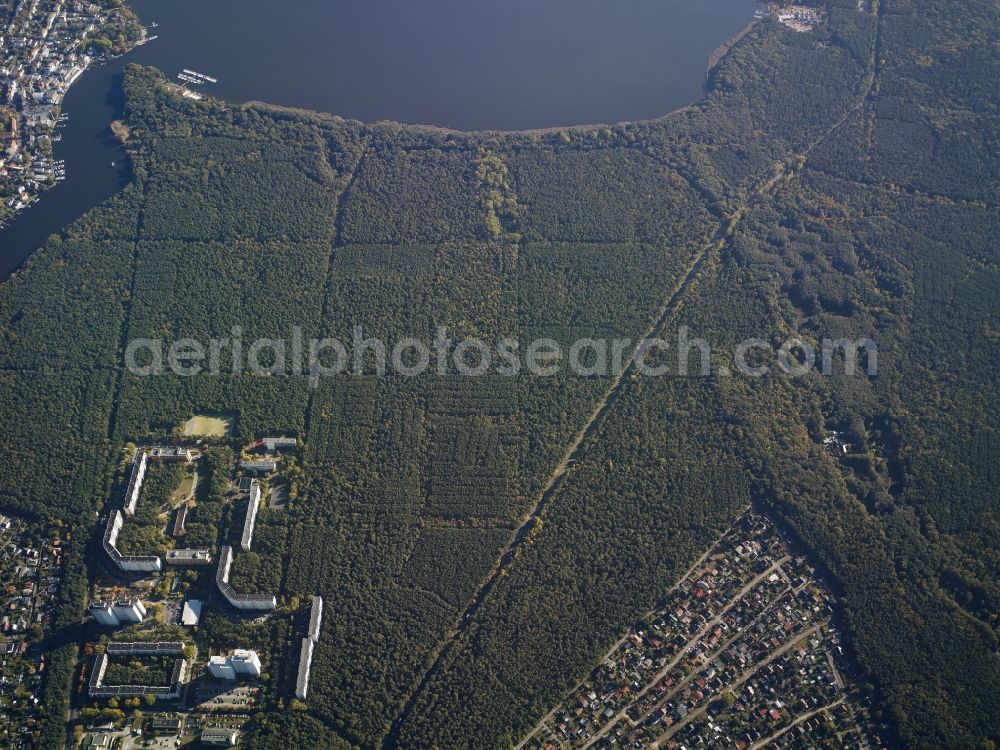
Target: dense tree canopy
839 183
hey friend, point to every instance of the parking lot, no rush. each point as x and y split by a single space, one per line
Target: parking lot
222 696
172 609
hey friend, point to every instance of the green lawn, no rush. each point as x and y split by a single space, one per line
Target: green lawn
202 425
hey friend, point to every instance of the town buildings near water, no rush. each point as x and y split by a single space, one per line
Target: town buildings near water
800 17
44 48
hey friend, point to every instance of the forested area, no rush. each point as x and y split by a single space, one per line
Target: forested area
54 439
879 547
882 221
656 491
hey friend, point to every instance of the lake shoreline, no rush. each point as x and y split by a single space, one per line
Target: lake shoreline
352 90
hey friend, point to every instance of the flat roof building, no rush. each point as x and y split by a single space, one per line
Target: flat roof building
305 665
253 504
245 661
315 618
191 614
128 563
145 648
103 613
96 741
220 668
259 464
188 557
134 488
97 689
241 662
179 520
219 737
239 601
172 453
129 610
167 724
274 444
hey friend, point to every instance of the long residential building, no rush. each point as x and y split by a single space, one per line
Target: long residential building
188 557
264 465
127 563
253 503
171 453
308 646
315 618
274 444
146 648
305 666
97 689
135 481
180 518
219 737
239 601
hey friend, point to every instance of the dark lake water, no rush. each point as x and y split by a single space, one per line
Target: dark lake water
465 64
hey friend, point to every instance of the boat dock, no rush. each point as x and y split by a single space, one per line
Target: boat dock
200 76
